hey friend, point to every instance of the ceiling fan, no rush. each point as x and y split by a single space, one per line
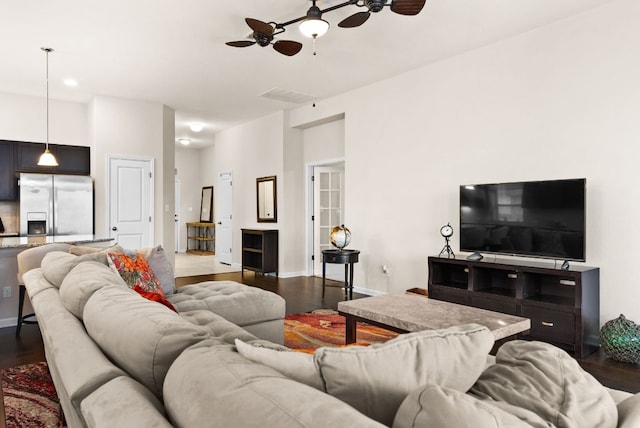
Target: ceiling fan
401 7
263 33
263 36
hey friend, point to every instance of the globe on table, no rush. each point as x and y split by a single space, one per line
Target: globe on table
340 237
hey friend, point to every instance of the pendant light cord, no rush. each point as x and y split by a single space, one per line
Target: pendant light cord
47 51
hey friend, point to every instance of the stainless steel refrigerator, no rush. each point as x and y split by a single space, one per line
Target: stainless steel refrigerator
52 204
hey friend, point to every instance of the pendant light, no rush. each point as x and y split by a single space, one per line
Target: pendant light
47 158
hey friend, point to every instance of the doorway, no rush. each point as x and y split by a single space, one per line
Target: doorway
328 208
130 201
224 227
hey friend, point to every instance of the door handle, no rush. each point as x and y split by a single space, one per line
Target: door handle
219 222
114 228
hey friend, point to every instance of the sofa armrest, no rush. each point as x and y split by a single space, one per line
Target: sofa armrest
32 257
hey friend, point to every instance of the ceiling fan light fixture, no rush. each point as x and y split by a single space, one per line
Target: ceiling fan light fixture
314 26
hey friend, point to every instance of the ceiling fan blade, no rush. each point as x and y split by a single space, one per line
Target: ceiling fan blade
241 43
287 47
259 27
355 20
407 7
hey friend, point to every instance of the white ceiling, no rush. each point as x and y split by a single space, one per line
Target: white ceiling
173 52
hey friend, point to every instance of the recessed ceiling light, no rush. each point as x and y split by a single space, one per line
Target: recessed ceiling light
184 141
196 127
71 83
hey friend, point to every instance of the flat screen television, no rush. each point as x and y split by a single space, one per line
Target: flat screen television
534 218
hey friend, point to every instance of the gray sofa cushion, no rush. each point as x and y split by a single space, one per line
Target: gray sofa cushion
629 412
141 336
235 302
437 407
211 385
545 380
217 326
83 280
376 379
57 264
123 402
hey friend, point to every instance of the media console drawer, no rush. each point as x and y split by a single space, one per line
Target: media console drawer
548 324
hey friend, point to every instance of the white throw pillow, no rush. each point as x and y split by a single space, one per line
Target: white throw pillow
298 366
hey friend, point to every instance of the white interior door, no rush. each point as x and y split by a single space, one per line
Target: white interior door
328 212
177 214
224 228
130 202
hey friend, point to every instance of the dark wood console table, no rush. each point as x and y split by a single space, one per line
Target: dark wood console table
345 257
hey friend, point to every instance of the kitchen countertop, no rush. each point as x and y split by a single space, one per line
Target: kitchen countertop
35 241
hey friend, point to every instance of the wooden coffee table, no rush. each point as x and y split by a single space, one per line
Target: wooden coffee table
405 313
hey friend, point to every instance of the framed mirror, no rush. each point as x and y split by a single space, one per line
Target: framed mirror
267 199
206 205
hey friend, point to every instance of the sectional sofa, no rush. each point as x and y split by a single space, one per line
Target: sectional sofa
216 359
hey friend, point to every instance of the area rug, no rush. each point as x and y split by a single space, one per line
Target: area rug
30 399
324 327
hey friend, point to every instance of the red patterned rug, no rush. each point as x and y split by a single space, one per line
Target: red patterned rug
30 399
324 327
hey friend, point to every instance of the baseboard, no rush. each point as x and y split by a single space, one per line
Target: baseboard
8 322
291 274
368 292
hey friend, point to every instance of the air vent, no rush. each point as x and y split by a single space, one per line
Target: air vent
287 96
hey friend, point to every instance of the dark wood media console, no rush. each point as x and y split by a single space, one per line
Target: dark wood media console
563 305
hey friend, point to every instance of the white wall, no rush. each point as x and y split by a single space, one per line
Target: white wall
24 118
134 128
558 102
324 141
252 150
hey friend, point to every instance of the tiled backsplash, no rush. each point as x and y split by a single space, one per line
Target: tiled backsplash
10 212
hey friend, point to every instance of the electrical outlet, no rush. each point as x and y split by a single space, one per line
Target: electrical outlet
6 292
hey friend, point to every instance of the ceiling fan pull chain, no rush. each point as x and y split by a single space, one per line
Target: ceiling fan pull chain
314 70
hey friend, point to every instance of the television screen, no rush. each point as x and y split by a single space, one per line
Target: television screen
536 218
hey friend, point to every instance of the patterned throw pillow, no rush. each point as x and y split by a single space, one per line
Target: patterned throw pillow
135 271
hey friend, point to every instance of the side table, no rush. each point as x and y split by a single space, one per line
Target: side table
345 257
23 319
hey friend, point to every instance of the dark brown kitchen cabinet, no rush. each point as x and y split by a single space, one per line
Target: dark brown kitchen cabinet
74 160
8 181
71 159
